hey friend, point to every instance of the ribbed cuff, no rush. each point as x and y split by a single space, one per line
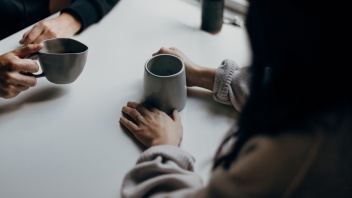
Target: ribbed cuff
173 153
223 79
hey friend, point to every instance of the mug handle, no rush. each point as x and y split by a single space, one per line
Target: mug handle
34 56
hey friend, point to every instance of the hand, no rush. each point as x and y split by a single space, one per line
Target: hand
195 75
152 127
63 26
13 69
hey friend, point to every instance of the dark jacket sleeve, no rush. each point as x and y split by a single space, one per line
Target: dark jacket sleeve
90 11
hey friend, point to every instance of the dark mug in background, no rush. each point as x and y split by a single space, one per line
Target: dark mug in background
165 83
61 59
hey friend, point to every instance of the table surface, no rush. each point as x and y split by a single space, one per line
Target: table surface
66 140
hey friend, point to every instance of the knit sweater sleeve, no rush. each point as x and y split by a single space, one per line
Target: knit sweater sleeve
231 85
162 171
89 11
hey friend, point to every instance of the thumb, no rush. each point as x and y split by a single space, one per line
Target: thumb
27 50
165 50
176 116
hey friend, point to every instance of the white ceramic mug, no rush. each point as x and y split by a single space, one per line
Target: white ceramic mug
165 83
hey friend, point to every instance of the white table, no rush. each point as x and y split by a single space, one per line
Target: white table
66 141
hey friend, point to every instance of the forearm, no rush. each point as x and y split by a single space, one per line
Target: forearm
57 5
89 12
161 170
229 82
202 77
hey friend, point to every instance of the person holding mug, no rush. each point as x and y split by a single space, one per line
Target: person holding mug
14 67
294 131
148 118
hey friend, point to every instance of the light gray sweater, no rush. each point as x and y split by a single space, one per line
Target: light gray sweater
167 171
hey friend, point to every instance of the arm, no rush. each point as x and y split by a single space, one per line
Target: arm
231 84
265 167
163 167
13 69
73 19
162 171
89 12
63 26
228 82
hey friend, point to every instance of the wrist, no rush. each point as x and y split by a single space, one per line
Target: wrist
74 23
204 77
160 142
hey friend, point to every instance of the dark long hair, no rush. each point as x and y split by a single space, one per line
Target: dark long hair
300 65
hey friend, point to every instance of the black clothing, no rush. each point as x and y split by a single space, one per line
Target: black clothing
90 11
18 14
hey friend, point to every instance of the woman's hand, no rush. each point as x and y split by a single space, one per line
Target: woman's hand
151 126
63 26
195 75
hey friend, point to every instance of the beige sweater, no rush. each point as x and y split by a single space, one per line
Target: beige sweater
288 165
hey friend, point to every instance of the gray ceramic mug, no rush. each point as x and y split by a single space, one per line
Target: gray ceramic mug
62 60
165 83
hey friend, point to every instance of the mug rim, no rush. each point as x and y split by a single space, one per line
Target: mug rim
168 76
62 54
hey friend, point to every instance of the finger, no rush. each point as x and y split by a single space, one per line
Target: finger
24 37
176 116
132 104
25 65
154 110
163 50
158 52
171 50
27 50
33 34
140 108
15 78
41 38
133 113
21 88
129 125
9 92
151 108
16 88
